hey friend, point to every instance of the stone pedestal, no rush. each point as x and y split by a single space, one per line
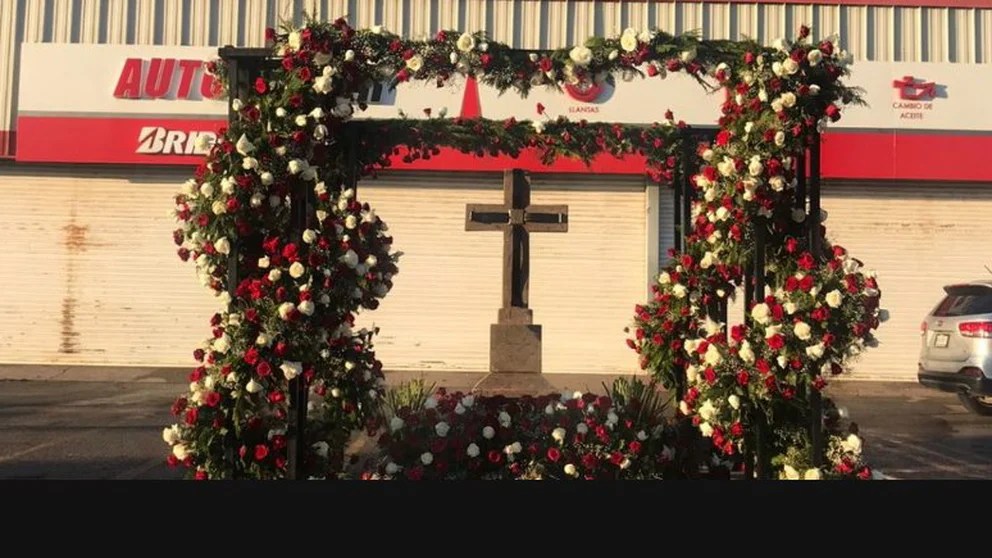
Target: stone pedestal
514 357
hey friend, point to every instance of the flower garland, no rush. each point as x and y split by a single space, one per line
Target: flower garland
291 311
823 307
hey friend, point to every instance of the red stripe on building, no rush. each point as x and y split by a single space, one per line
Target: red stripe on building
847 154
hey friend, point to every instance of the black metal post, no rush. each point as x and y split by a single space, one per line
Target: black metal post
299 390
677 210
816 244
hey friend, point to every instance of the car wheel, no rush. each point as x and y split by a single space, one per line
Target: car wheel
976 404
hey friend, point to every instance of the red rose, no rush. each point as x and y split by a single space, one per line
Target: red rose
291 252
260 86
270 34
674 65
791 244
281 348
803 31
616 458
545 64
278 441
172 460
775 342
251 356
710 375
806 283
192 414
634 446
276 397
495 456
743 377
213 399
827 47
806 261
833 112
261 452
749 58
554 454
864 473
723 138
652 70
263 369
589 461
415 474
737 430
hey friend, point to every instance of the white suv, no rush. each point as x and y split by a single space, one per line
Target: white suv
956 352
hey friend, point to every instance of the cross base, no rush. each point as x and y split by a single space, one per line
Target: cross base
515 348
514 384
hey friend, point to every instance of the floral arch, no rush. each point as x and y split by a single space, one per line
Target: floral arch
272 221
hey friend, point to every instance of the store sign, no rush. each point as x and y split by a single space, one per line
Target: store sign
84 103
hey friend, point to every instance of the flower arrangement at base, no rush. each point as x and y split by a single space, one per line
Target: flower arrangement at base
622 435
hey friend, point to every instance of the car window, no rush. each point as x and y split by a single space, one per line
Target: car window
964 305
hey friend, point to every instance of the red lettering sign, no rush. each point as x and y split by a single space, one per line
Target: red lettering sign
911 89
164 78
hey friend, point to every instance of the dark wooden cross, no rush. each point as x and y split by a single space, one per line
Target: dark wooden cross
517 218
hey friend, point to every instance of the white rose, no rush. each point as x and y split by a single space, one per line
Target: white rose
789 99
790 472
483 46
679 290
734 402
664 278
852 444
427 458
256 200
306 308
834 298
570 470
688 55
488 432
297 270
275 275
513 448
459 409
713 356
802 330
222 344
778 69
581 55
761 313
815 351
453 58
442 429
249 163
430 403
294 40
755 168
323 84
309 236
223 245
790 307
706 429
812 474
396 423
237 104
558 434
780 45
171 435
253 386
814 89
468 400
628 41
377 29
466 42
219 208
285 309
707 411
179 450
722 213
790 66
350 222
291 369
207 189
814 56
683 407
350 258
851 266
538 126
296 166
472 450
415 63
780 138
646 36
777 183
504 419
371 261
301 120
262 340
243 146
642 435
778 105
707 261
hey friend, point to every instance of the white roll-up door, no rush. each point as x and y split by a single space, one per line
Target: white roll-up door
584 283
918 238
90 273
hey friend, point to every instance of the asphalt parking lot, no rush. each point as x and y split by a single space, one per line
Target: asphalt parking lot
57 429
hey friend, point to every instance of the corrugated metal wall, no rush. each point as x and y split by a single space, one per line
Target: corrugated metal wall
871 33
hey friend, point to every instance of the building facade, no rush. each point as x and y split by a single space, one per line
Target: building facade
91 157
